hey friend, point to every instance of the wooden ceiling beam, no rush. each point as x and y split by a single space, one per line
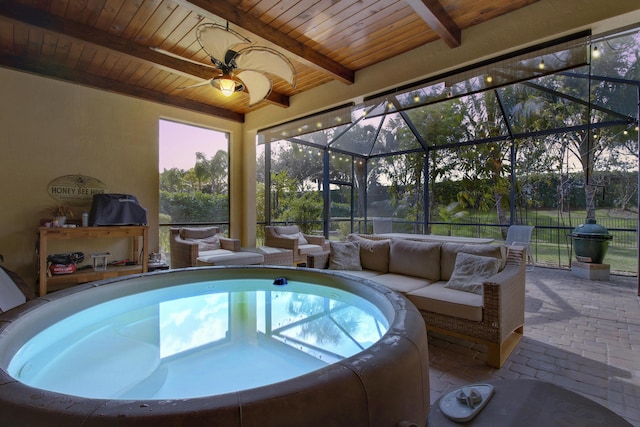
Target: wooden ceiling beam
432 12
90 35
71 75
233 14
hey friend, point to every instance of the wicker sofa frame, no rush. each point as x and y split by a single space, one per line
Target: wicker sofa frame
502 324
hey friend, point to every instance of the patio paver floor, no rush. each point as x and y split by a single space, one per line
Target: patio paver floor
579 334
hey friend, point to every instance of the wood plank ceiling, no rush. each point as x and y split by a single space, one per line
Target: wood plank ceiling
106 43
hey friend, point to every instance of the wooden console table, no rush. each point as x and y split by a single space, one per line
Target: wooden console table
135 232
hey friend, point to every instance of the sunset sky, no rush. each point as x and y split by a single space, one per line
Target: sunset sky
178 144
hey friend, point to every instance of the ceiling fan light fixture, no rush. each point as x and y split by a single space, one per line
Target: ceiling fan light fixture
227 86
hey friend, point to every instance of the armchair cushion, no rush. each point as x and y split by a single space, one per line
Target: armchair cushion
198 232
470 272
286 229
296 236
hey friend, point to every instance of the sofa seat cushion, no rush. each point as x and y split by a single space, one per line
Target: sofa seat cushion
309 249
400 282
438 299
449 252
364 274
224 257
412 258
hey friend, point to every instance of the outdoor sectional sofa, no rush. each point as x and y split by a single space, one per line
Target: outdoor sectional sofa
490 311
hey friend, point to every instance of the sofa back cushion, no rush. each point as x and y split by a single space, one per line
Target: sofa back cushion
412 258
374 254
450 250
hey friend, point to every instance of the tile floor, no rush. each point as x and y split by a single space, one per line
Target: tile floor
579 334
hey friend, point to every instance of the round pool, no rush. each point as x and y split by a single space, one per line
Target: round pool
232 346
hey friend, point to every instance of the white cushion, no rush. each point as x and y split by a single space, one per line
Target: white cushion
470 271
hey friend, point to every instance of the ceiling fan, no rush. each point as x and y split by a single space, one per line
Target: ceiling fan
240 64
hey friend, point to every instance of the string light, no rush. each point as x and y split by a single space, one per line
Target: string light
541 64
595 53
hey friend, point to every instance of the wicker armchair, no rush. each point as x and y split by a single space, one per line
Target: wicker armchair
290 237
185 247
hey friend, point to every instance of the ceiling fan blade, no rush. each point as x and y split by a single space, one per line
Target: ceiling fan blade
173 55
216 40
258 85
204 83
260 58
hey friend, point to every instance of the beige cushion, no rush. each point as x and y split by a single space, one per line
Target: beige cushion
438 299
286 229
450 251
344 256
401 283
206 244
230 258
411 258
198 232
470 271
309 249
365 274
374 254
296 236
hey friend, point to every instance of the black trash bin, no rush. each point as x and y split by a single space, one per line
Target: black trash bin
590 242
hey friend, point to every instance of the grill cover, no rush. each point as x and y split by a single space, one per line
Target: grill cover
116 209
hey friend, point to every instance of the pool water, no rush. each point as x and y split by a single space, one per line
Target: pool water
198 339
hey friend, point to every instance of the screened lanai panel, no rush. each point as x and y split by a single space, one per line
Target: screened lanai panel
360 137
329 119
395 136
532 108
468 118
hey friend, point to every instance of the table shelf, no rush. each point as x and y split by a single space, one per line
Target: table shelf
46 234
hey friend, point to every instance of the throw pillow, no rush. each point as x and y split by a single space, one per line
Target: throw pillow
470 271
296 236
344 256
206 244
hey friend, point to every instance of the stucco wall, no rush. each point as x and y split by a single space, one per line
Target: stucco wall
51 128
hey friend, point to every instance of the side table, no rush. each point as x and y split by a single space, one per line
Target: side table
533 403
